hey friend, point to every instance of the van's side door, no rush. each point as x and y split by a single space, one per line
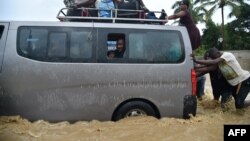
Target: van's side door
3 35
153 66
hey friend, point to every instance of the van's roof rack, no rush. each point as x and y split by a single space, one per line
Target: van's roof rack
115 16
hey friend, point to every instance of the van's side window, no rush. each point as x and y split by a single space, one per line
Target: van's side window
57 45
33 42
80 45
156 47
1 30
136 46
53 44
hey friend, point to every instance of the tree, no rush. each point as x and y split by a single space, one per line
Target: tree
242 22
216 4
211 35
238 31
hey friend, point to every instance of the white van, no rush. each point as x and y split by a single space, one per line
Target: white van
60 71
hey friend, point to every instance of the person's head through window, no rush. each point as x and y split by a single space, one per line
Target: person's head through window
120 45
120 48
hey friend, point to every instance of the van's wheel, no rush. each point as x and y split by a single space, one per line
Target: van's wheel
134 108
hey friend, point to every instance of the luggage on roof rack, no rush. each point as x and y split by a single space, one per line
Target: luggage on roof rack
84 16
81 13
78 3
128 5
73 9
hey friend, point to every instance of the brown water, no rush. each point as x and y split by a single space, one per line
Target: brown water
206 126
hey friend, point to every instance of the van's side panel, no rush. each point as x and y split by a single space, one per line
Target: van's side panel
56 91
73 91
165 85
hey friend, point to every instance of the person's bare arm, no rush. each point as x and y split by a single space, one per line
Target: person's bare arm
178 15
198 74
207 62
199 66
206 69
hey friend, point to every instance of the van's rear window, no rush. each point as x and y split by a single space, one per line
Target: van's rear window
156 46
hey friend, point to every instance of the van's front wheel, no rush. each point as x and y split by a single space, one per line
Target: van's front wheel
134 108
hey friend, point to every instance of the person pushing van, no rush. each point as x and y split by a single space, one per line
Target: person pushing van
238 78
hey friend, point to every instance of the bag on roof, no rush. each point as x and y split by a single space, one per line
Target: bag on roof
79 12
72 3
128 5
151 15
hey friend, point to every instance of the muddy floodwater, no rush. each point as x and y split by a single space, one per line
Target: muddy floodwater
207 125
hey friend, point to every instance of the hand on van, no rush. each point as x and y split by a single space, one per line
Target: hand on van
193 56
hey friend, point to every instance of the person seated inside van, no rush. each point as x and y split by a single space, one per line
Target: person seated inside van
120 48
111 54
119 51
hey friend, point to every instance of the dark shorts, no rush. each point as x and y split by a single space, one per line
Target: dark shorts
220 86
242 94
200 86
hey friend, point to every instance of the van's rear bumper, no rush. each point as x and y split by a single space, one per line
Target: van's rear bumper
190 106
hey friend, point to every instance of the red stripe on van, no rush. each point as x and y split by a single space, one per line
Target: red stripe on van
194 82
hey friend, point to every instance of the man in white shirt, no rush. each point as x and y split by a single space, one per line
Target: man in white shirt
232 71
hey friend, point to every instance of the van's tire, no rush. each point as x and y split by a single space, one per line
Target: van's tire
134 108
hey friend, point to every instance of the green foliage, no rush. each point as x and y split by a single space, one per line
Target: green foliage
214 5
236 34
211 35
200 51
243 18
238 31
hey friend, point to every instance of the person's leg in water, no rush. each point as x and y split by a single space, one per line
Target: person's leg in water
240 93
221 88
215 81
200 87
226 96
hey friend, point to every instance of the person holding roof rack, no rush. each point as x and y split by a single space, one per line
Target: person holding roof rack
237 77
186 20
